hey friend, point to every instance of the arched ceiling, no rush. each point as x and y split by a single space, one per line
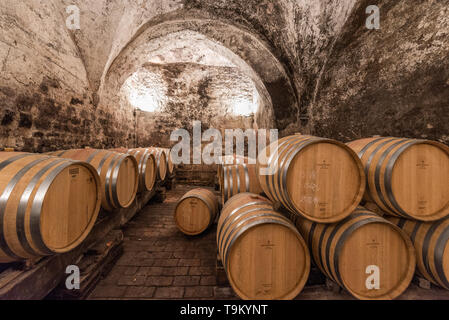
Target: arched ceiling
235 45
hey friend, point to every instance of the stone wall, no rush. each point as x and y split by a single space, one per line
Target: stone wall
45 98
193 92
393 81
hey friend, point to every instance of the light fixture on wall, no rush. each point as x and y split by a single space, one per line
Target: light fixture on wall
144 101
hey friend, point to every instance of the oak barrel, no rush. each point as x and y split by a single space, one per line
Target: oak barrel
48 205
227 161
239 178
118 174
431 241
349 251
170 165
161 161
263 254
406 177
319 179
196 211
147 167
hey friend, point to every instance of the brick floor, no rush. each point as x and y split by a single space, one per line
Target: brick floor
159 262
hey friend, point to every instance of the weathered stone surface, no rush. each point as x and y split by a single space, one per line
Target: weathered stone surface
393 81
314 64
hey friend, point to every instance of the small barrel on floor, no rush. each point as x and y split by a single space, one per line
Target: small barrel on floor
365 254
431 241
319 179
118 174
263 254
196 211
406 178
48 205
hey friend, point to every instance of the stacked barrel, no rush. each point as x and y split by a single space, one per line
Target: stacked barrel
319 179
263 254
319 184
407 181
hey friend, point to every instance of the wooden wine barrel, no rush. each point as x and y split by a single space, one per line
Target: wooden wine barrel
406 177
170 165
161 161
262 252
196 211
147 167
48 205
346 251
230 161
239 178
319 179
431 241
118 174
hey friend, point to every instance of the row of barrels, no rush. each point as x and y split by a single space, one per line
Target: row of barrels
49 203
268 256
324 180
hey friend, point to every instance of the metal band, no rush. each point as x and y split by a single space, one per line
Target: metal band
100 165
60 153
377 173
142 168
7 162
272 166
370 159
237 173
92 156
287 165
425 248
365 148
311 232
220 231
4 197
114 180
415 232
438 256
107 184
231 183
23 204
278 165
335 231
343 239
401 223
320 253
36 208
225 184
236 218
248 182
254 224
388 176
142 165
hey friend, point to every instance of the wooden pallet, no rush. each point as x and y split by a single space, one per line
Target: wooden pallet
94 264
34 280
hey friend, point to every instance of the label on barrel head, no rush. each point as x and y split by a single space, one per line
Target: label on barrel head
324 165
423 165
74 172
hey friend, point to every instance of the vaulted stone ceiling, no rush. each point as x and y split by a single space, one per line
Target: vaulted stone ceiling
323 70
